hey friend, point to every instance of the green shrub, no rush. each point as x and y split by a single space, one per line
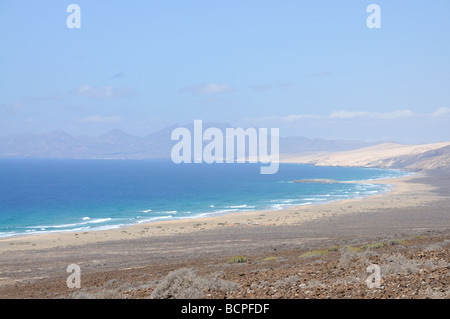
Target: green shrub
373 246
353 249
270 258
237 260
397 242
315 253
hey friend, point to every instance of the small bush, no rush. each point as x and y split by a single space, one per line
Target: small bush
315 253
288 281
399 264
397 242
184 283
353 249
374 246
433 247
237 260
334 248
270 258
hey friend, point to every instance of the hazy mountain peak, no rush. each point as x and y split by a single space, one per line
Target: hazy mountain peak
117 136
116 133
119 144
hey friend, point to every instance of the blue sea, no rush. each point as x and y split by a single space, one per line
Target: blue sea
46 196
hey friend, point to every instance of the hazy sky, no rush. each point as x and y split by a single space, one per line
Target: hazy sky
310 68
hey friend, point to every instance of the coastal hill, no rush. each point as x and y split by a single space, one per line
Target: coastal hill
386 155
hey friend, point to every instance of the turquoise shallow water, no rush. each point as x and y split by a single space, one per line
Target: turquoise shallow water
42 196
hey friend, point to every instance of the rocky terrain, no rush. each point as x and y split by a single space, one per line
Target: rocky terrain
410 267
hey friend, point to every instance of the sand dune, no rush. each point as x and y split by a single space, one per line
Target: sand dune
387 155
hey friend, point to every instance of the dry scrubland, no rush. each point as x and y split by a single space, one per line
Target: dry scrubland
416 267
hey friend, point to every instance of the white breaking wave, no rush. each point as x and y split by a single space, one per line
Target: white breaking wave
240 206
222 211
35 232
168 212
87 221
7 234
155 219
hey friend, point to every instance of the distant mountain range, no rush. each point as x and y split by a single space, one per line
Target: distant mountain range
117 144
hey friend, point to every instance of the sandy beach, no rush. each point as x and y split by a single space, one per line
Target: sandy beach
402 194
35 266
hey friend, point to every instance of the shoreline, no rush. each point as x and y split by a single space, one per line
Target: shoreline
293 215
389 181
204 215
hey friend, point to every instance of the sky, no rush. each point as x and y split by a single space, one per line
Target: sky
310 68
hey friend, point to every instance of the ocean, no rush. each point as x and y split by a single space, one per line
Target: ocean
46 196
